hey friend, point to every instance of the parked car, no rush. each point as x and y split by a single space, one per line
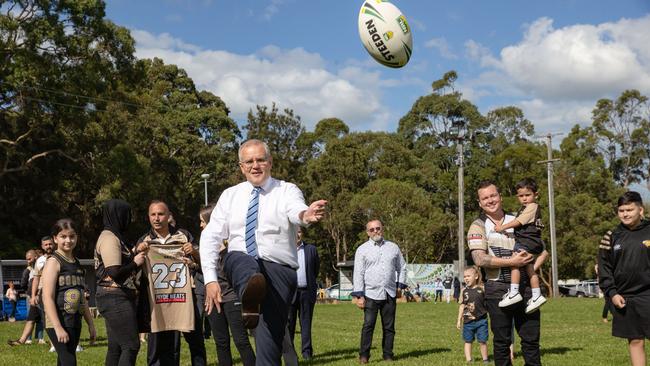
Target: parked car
334 292
587 288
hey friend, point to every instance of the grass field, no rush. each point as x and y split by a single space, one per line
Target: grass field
572 334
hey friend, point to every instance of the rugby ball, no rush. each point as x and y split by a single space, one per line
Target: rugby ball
385 33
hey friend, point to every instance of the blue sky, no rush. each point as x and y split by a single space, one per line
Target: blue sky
554 59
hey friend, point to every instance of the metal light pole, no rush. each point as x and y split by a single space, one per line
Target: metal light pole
460 125
205 181
551 211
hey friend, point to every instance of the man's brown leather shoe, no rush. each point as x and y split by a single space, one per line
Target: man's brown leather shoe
363 359
251 299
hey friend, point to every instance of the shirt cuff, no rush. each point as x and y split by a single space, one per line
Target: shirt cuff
401 285
611 292
357 294
209 276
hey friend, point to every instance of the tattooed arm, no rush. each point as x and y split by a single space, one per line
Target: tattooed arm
483 259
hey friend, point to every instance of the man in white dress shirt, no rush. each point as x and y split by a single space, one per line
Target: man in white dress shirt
379 268
259 218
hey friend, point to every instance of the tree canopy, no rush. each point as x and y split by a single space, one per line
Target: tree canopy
82 120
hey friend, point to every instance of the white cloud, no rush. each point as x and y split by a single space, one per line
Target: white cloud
556 116
272 9
580 61
557 75
477 52
441 45
294 78
162 41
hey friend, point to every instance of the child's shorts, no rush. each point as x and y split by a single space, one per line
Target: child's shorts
532 248
633 321
476 328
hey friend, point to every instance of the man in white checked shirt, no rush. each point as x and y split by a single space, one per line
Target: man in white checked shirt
259 218
379 268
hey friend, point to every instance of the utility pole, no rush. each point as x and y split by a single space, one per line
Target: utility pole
551 207
459 126
461 209
205 182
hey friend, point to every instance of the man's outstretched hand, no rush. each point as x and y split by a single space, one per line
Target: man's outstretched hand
315 212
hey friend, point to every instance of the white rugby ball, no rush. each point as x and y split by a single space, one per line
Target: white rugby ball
385 33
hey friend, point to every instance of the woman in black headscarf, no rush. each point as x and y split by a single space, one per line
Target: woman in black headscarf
116 267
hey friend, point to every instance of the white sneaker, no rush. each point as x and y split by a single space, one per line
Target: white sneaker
52 349
510 299
29 341
534 304
79 349
42 341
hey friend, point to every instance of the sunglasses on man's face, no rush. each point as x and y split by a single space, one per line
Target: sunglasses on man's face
374 229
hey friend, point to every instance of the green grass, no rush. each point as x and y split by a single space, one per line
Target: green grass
572 334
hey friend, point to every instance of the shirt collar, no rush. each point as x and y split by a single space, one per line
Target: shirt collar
301 246
154 235
266 186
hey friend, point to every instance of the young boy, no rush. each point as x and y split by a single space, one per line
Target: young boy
624 275
472 314
528 237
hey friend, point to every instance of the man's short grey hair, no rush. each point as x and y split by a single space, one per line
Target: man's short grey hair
267 151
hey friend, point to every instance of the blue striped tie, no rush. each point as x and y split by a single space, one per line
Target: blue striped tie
251 222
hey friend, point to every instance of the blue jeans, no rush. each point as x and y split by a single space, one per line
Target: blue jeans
476 329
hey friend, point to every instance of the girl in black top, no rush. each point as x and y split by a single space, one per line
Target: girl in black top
63 289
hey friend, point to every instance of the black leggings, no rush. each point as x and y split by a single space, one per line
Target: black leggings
230 317
607 306
65 352
118 309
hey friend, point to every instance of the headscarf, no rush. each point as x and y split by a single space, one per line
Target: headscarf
116 215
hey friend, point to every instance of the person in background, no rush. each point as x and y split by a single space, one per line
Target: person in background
303 304
447 285
438 288
12 295
608 302
35 316
379 269
456 289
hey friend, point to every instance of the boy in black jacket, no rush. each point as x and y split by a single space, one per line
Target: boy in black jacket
624 264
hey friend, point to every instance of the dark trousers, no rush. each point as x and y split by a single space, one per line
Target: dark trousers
200 304
438 296
527 326
65 352
281 282
164 348
13 308
226 323
607 306
302 307
387 309
119 312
